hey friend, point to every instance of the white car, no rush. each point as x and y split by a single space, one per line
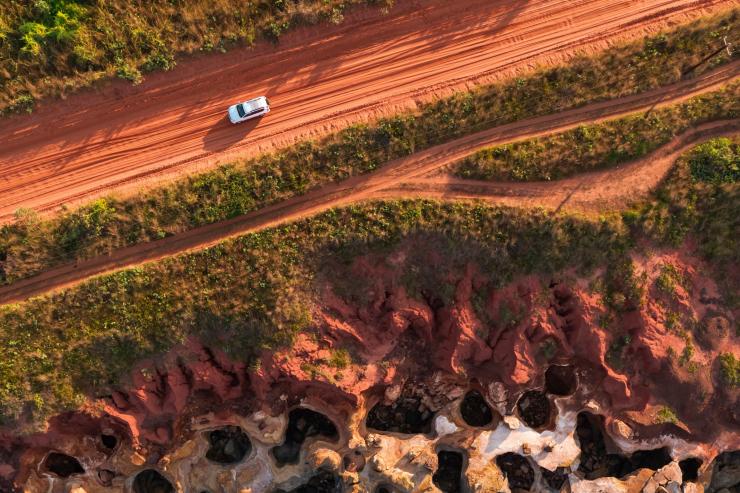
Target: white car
247 110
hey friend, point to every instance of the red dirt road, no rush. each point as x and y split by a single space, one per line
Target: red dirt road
317 79
404 178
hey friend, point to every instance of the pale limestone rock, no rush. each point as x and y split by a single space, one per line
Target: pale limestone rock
377 463
622 430
600 485
372 440
265 428
692 488
444 426
137 459
497 395
356 488
424 457
426 485
671 473
186 450
550 449
512 422
326 459
593 407
485 477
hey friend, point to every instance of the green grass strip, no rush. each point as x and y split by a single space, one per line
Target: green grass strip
597 146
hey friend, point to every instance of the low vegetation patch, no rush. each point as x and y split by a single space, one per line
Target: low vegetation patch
729 369
666 415
668 279
31 245
52 47
716 162
700 197
602 145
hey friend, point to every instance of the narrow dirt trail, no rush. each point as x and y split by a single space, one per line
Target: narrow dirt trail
594 191
318 80
389 182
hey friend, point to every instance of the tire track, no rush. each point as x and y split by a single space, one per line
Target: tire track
318 80
399 178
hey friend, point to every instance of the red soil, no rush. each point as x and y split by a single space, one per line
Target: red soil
317 79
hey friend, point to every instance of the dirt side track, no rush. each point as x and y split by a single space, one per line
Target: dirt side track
594 191
318 80
400 178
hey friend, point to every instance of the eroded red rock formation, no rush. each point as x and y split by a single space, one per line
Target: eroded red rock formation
623 408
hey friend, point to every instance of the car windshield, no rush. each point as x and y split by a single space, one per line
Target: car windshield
240 110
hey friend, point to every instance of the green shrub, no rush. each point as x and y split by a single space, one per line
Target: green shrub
668 279
615 353
548 348
624 289
84 225
340 359
33 35
717 161
666 415
23 103
687 353
729 369
57 22
130 73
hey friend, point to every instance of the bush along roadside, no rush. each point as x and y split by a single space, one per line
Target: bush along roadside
53 47
31 245
601 145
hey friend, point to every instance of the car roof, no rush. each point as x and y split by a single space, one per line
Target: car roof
253 104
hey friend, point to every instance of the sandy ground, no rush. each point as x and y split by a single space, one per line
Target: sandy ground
406 178
318 79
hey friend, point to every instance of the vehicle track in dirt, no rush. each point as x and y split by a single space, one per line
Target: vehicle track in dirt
401 178
593 191
318 79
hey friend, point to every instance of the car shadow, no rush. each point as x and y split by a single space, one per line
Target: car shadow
225 134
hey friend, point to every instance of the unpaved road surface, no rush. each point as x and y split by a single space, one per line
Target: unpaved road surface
318 80
594 191
401 178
